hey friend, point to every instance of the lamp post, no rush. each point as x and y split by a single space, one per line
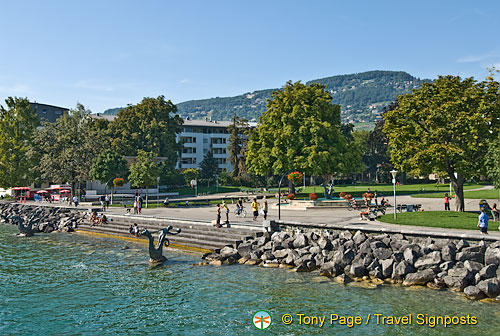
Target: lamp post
394 173
158 191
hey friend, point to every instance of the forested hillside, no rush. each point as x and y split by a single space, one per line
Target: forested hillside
362 97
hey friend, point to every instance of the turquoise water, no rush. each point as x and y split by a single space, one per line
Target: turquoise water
69 284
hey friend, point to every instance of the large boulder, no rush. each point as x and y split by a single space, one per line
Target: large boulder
280 254
402 269
458 278
347 235
488 271
325 244
357 270
448 252
382 253
490 287
359 237
492 255
431 259
473 293
228 251
473 266
419 278
300 240
343 258
410 255
470 255
387 267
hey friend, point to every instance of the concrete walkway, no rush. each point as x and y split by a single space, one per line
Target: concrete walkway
335 218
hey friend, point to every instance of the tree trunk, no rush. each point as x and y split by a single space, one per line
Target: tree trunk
458 186
291 187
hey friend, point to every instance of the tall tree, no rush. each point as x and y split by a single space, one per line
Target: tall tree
493 162
67 148
209 166
108 166
17 125
237 146
445 126
376 155
151 126
299 131
144 172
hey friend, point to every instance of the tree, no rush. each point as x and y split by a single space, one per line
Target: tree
144 172
209 166
67 148
237 146
445 126
493 162
17 125
376 154
148 126
299 131
107 166
190 174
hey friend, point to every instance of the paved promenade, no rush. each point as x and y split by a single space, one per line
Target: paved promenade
337 218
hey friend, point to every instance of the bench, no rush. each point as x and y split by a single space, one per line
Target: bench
409 207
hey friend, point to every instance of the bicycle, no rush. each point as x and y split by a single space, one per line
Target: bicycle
353 206
240 212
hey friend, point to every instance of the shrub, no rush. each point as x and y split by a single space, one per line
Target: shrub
290 196
118 182
313 197
295 177
342 194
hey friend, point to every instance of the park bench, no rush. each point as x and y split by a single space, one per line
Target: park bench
408 207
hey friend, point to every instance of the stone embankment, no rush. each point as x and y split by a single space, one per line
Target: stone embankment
46 219
462 266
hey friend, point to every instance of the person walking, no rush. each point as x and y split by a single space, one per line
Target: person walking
482 223
494 212
446 202
255 209
265 208
239 206
106 201
75 201
135 207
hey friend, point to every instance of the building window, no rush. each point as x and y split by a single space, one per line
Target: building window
205 140
188 161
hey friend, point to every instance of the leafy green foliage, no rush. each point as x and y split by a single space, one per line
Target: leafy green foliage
144 172
67 148
148 126
238 131
208 166
299 131
107 166
362 97
493 162
190 174
445 126
17 124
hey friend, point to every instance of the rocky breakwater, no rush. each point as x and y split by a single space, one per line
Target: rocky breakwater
44 219
462 266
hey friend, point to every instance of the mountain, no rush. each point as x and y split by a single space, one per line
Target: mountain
362 97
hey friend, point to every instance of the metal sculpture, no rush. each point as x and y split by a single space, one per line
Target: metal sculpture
156 252
26 230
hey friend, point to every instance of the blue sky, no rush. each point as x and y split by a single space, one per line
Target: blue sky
107 54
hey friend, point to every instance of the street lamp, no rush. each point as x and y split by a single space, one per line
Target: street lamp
394 173
158 191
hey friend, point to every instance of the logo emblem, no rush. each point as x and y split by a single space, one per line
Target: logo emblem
262 319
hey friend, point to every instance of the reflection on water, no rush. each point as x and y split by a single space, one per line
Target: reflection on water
69 284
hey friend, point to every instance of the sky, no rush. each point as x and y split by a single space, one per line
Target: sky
106 54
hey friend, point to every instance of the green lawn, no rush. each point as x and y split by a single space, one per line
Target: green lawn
477 194
444 219
206 190
387 189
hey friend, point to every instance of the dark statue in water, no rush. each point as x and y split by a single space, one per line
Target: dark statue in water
26 230
156 253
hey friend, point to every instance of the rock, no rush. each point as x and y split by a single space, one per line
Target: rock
280 254
253 262
490 287
357 270
387 267
324 244
492 256
432 259
347 235
272 264
401 269
228 251
315 250
300 240
365 248
448 252
469 255
473 293
329 269
473 266
461 244
279 237
419 278
374 264
446 265
377 245
488 272
359 237
268 255
301 268
343 258
242 260
410 255
342 278
458 278
381 253
244 249
216 263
